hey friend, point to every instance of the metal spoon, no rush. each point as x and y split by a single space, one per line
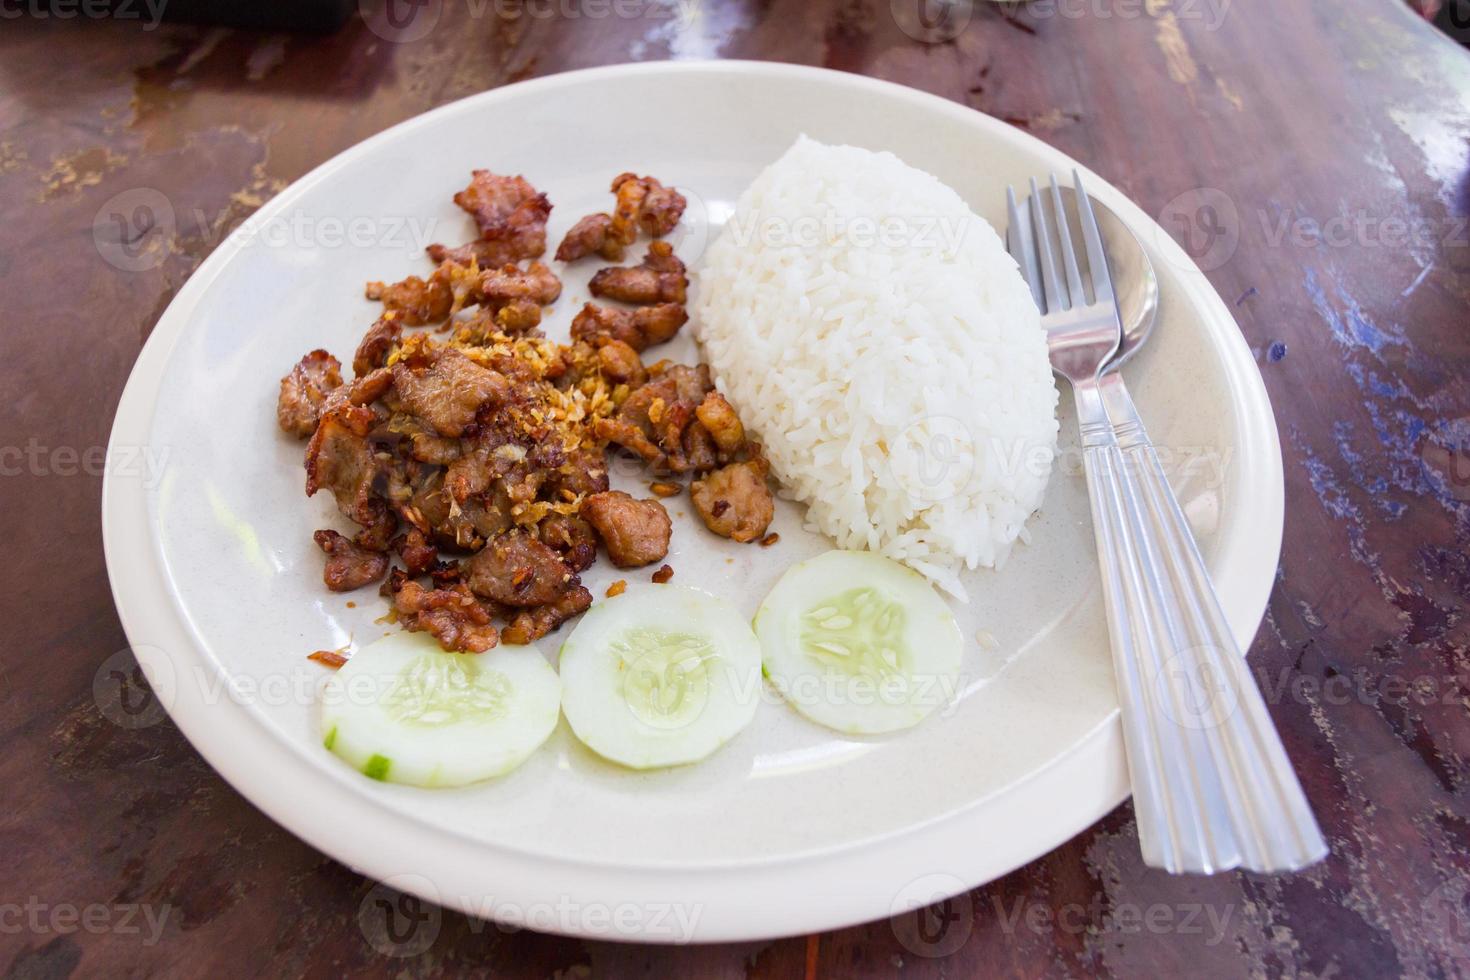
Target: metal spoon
1134 282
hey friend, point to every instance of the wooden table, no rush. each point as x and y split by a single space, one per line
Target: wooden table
1312 155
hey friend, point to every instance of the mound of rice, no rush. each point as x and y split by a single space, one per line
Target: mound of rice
877 338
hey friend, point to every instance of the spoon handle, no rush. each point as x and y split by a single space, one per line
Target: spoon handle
1213 788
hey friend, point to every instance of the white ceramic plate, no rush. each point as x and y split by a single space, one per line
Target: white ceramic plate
788 829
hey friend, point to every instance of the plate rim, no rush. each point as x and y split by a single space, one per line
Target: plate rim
739 893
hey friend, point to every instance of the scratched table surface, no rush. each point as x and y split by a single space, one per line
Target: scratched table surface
1312 156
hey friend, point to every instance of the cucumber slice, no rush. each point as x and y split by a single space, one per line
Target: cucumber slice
859 643
660 676
404 711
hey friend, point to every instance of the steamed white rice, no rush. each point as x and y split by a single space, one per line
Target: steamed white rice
876 337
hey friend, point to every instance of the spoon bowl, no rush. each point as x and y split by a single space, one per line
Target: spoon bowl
1134 283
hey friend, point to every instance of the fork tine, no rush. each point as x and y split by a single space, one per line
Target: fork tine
1069 257
1022 248
1056 290
1097 257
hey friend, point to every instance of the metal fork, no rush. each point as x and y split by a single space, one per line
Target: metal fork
1212 786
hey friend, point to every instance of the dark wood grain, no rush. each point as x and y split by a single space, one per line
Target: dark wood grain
1273 114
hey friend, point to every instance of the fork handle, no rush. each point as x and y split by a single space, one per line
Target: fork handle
1212 786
